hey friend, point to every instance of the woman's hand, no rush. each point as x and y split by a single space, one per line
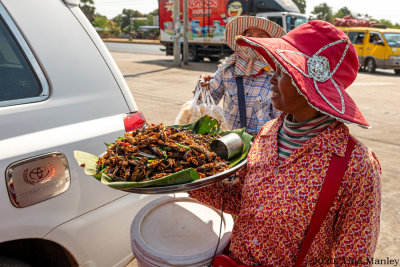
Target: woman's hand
205 80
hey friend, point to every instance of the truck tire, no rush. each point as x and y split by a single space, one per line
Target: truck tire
370 66
10 262
213 59
193 57
397 72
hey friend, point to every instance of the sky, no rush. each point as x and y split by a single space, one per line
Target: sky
378 9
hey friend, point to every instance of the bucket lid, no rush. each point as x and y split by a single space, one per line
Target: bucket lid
179 230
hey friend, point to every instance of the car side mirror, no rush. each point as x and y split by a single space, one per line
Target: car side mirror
380 42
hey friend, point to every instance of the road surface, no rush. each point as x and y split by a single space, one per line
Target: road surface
135 48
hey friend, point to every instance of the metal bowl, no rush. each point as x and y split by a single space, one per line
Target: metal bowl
188 186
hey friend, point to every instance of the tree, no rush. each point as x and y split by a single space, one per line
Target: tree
102 25
301 4
386 22
87 7
127 22
344 11
100 22
322 12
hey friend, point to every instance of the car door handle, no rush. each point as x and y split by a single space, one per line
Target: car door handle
367 48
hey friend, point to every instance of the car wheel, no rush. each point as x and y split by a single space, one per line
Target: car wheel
370 66
10 262
397 72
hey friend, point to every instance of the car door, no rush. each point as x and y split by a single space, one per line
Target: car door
375 48
57 95
357 38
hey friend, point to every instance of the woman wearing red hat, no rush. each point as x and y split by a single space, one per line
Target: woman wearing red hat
310 193
246 71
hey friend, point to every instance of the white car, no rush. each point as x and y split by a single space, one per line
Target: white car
60 91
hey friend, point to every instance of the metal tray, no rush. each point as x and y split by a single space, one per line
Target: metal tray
188 186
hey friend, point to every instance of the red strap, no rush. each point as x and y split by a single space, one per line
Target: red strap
334 176
333 179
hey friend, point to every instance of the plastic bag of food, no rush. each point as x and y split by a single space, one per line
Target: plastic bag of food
190 111
215 111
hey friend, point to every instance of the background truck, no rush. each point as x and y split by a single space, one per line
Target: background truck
208 18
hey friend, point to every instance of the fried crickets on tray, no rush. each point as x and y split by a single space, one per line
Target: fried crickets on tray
153 152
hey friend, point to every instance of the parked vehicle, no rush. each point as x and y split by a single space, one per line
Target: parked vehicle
60 91
207 21
376 47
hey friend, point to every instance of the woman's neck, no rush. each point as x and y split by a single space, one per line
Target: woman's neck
306 116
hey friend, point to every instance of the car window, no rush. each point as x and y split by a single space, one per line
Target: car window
356 37
22 80
277 20
16 76
393 39
375 37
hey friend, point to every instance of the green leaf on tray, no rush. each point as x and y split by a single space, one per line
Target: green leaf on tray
184 176
88 161
205 125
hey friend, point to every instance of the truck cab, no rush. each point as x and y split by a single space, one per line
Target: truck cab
287 20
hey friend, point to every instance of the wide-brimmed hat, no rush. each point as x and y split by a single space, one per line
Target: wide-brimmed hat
322 63
239 24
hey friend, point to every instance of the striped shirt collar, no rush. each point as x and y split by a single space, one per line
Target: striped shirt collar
333 138
292 135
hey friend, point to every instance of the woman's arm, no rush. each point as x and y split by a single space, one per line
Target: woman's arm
357 227
230 192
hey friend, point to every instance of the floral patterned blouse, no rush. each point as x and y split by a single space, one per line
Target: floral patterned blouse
273 204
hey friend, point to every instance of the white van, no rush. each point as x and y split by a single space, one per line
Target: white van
60 91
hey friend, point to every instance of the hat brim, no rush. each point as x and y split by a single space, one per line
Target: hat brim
328 97
238 25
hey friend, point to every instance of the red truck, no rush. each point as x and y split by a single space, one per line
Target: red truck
208 18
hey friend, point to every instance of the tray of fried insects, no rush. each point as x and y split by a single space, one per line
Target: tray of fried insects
160 159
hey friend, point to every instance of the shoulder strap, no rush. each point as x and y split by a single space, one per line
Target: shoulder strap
330 187
242 101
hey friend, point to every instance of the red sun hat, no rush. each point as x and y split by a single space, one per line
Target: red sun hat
322 63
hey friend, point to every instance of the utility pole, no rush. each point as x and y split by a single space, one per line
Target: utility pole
185 33
177 47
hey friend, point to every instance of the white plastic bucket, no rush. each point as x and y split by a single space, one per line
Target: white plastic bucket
179 231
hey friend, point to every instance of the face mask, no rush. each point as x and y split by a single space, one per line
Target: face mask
247 53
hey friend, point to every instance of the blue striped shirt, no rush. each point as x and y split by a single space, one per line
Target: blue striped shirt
257 90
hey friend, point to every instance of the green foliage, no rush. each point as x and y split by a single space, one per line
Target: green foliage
100 21
128 22
115 28
322 12
344 11
87 7
301 4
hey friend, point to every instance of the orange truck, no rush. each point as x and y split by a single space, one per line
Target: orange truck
207 20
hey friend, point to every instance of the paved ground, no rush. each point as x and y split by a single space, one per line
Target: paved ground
160 90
